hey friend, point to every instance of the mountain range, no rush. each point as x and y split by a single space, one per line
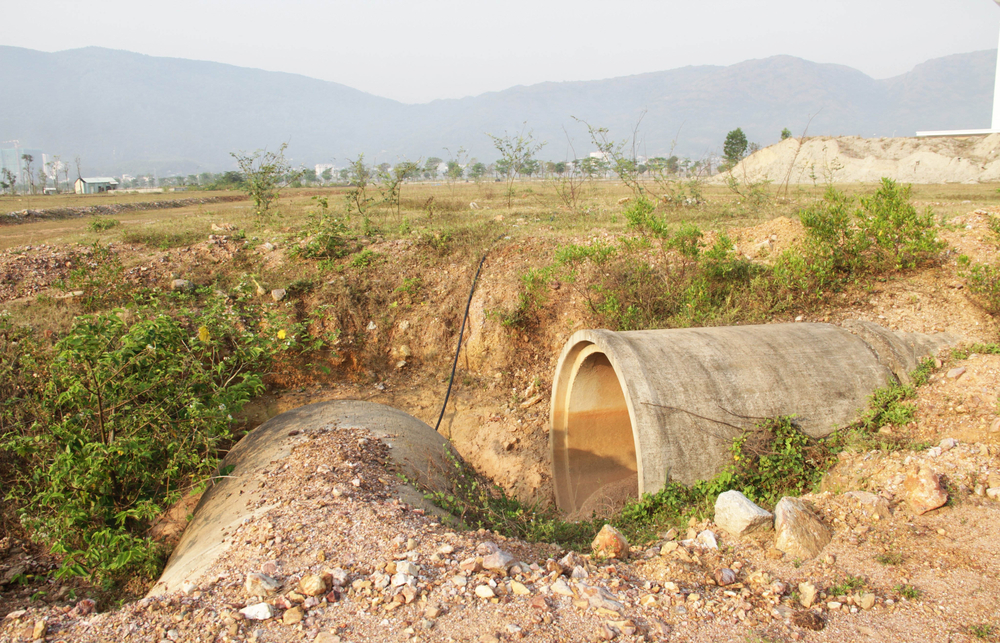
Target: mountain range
127 112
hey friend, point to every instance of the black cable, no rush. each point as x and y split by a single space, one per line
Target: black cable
461 332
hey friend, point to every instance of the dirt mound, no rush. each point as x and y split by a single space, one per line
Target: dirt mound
852 159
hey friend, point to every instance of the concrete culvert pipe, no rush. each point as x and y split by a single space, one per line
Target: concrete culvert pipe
416 450
631 410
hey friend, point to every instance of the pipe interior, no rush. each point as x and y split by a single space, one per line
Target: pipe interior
599 439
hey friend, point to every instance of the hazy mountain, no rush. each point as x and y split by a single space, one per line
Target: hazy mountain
122 111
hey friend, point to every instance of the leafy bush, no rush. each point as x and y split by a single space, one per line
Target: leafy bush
132 413
984 284
325 236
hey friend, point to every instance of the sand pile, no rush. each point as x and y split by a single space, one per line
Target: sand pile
852 159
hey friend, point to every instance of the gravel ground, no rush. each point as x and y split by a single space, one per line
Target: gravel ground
353 563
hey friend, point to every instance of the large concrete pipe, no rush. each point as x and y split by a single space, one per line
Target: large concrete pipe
417 450
631 410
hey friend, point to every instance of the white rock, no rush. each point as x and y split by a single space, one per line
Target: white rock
560 587
497 560
406 567
259 612
737 515
485 591
278 294
707 540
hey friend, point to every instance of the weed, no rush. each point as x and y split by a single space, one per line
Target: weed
849 585
909 592
890 558
365 258
160 239
982 630
100 224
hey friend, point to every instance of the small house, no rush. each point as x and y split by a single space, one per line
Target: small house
95 185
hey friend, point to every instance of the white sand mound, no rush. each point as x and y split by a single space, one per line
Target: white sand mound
852 159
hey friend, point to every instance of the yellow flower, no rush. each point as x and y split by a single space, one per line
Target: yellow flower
281 334
203 334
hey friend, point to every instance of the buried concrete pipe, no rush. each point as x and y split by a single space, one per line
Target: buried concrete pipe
632 410
417 451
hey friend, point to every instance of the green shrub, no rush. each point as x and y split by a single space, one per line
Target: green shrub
901 237
133 413
325 235
984 284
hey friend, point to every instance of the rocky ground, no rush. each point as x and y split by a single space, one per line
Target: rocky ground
899 544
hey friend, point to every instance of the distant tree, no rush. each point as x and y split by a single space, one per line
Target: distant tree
43 179
530 167
590 166
476 171
266 174
431 167
455 171
28 160
327 174
515 151
310 175
76 160
344 175
52 167
735 147
786 133
8 181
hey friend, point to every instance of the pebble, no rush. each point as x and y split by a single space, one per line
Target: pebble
560 587
312 585
293 616
955 373
260 584
485 591
807 594
278 294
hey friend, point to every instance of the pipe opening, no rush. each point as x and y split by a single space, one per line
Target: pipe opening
599 454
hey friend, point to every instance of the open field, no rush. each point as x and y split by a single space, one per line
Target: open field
371 306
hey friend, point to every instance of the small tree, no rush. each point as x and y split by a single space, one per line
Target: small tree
9 181
361 177
735 147
392 183
786 133
515 152
265 174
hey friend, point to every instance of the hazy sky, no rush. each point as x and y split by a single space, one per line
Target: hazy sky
416 51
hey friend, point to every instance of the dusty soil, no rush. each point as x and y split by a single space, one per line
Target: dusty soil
498 422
